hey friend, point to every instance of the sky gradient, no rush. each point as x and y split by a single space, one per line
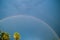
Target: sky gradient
46 10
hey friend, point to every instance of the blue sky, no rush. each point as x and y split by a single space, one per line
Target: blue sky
46 10
29 27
